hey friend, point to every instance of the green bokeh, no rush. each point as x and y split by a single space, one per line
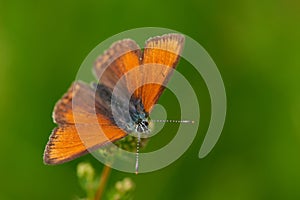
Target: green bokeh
256 45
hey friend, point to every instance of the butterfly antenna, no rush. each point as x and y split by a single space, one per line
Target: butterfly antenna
139 138
137 154
173 121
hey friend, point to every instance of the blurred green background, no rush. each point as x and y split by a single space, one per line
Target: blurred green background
255 44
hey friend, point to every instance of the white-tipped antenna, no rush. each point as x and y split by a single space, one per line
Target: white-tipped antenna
173 121
139 137
137 153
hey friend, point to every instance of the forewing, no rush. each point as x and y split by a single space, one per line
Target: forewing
161 55
119 59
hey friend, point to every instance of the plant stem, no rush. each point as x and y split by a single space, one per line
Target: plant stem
102 182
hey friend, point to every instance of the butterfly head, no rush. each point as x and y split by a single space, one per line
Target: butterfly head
142 125
140 117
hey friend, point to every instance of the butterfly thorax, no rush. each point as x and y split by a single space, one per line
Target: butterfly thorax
135 120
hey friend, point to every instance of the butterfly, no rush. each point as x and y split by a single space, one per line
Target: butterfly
77 110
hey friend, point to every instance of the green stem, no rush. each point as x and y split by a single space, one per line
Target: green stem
102 182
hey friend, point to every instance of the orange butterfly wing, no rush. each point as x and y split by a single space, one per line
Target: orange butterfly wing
161 55
70 141
119 59
159 59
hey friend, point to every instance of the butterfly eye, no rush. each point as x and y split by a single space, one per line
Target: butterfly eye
146 123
